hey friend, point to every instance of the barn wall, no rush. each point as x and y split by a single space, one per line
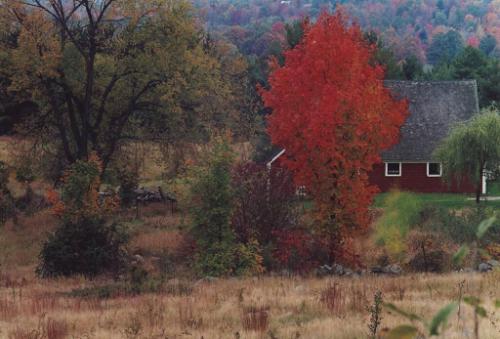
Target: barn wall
414 178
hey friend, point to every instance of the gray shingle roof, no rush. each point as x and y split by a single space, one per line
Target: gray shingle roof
435 106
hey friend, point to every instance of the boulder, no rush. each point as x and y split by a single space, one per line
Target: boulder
324 270
493 263
393 269
338 269
484 267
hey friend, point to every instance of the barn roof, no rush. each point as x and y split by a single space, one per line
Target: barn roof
435 106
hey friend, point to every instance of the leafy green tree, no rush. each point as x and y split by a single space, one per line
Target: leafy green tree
444 47
212 208
470 64
472 149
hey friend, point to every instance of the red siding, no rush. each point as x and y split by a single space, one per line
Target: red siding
414 178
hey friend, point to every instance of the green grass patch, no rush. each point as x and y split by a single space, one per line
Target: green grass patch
452 201
494 188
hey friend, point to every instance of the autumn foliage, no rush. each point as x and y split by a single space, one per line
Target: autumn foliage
332 114
80 194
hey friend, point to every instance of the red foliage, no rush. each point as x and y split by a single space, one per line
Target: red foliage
333 115
298 250
473 41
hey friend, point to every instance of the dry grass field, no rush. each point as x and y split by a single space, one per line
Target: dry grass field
254 307
266 307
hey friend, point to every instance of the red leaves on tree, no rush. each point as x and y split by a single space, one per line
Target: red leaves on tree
333 115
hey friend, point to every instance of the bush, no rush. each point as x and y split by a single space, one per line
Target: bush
429 252
218 259
88 247
249 259
85 242
265 202
459 226
401 211
212 206
299 251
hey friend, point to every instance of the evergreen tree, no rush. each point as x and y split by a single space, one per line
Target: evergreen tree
212 198
444 47
488 44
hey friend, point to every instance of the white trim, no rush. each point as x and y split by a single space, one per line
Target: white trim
393 175
485 184
435 175
276 157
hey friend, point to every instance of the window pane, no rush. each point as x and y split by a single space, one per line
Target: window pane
434 168
393 168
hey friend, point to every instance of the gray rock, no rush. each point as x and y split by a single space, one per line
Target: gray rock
493 263
324 270
338 269
392 269
484 267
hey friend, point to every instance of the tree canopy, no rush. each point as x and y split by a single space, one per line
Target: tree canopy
100 72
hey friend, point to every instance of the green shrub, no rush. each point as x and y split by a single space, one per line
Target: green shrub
88 247
249 259
212 208
218 259
401 211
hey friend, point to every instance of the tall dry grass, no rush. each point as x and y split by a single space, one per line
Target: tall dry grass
245 308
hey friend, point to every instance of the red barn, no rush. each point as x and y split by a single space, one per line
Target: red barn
435 106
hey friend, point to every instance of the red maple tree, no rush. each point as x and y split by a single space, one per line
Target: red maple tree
333 115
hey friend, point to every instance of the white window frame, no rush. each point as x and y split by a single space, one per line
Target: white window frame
435 175
393 175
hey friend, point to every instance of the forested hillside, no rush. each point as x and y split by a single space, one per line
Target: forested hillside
410 27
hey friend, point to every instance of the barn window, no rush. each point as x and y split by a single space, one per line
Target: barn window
392 169
434 169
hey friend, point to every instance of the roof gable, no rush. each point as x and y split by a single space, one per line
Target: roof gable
435 106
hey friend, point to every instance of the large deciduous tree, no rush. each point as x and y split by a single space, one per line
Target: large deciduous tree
472 150
99 71
332 114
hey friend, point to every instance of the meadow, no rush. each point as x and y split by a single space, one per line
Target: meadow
178 305
166 300
259 307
